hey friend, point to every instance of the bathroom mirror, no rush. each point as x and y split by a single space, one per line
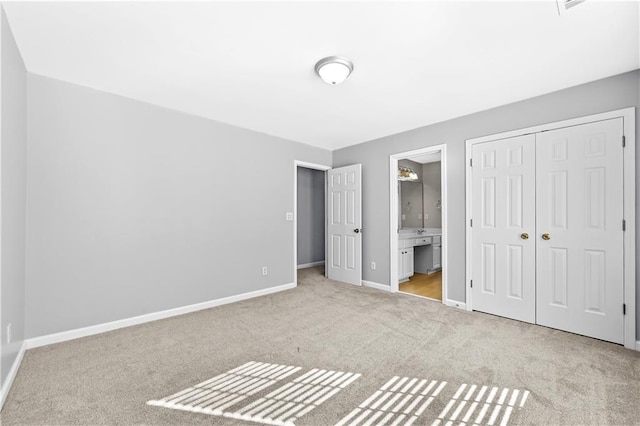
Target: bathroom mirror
420 201
411 205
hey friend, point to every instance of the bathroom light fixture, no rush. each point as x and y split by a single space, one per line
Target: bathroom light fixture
406 174
334 69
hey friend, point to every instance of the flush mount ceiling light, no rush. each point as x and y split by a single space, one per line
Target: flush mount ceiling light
334 69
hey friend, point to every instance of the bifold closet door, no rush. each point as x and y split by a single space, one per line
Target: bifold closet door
579 236
503 231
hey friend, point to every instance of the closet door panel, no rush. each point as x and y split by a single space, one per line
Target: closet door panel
579 237
503 212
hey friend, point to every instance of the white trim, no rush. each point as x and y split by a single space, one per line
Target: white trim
444 261
555 125
467 219
6 385
141 319
456 304
628 116
393 224
377 286
629 131
307 165
393 214
310 265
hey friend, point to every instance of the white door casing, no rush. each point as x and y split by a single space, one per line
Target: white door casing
580 208
394 224
503 230
344 208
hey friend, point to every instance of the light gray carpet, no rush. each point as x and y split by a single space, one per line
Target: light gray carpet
108 378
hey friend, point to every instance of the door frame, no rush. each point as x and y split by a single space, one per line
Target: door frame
393 216
629 211
313 166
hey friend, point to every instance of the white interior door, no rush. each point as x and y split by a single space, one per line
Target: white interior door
580 210
503 229
344 224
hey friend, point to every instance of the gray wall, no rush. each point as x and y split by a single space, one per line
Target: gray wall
13 139
432 185
603 95
133 208
310 216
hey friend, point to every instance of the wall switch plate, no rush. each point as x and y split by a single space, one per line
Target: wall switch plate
404 217
426 216
264 270
419 215
9 333
289 216
373 266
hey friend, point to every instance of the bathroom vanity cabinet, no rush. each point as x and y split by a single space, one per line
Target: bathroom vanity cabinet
405 263
418 253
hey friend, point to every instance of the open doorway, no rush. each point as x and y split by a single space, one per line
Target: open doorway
309 216
418 223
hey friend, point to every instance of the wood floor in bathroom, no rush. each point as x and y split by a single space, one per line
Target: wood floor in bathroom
426 285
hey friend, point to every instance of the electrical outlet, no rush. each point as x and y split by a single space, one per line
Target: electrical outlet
404 217
373 266
9 333
426 216
289 216
419 215
264 270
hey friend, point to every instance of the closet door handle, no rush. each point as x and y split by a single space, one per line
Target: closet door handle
524 236
546 237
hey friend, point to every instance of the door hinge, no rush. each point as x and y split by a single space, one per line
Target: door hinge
624 309
471 222
624 225
471 282
624 141
470 162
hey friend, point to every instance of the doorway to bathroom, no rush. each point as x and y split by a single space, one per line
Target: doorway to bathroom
417 184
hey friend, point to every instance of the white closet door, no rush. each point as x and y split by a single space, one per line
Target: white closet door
580 206
503 212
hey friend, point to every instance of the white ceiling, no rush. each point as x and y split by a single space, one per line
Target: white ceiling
250 64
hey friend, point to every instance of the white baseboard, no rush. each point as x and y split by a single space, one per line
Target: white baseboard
377 286
49 339
310 265
456 304
6 386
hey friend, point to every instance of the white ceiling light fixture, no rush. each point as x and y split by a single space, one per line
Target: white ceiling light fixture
334 69
407 174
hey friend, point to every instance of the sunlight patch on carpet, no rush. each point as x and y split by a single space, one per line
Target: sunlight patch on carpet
480 405
283 406
244 394
288 403
399 401
213 396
